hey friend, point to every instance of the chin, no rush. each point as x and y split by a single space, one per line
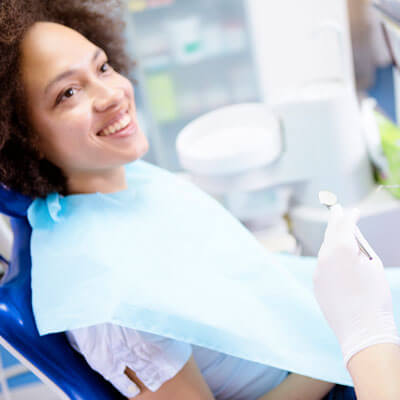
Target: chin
137 152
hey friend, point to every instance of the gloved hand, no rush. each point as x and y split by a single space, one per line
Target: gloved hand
352 290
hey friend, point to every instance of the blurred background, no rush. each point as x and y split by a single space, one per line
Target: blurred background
262 104
193 57
307 63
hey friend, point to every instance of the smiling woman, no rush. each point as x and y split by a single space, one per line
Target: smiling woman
83 111
66 112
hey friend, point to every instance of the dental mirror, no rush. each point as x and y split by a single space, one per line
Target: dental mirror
329 199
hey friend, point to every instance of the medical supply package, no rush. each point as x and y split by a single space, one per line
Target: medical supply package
164 257
390 140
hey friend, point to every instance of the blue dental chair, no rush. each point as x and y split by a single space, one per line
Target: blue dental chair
49 357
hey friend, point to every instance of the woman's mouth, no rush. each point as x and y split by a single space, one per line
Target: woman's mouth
123 127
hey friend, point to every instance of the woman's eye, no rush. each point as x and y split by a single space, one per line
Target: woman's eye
65 95
105 67
69 93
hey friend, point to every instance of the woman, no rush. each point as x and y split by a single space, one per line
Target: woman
68 125
355 297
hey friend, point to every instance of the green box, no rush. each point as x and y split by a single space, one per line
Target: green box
390 139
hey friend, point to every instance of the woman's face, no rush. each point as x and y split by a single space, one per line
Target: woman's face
81 109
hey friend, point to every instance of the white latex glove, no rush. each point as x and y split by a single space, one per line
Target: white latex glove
352 290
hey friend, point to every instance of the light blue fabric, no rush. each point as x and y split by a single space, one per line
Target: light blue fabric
165 258
234 378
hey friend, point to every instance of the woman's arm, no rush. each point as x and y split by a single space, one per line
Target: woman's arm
375 372
188 384
299 387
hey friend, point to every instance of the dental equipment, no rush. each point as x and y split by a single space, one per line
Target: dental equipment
317 115
329 199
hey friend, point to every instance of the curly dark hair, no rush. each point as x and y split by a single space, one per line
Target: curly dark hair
101 22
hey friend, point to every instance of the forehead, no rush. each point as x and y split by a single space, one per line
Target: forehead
49 49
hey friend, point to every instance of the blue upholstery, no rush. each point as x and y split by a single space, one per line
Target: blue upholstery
51 354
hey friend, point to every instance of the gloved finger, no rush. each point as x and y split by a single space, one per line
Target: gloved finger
350 227
347 223
354 215
365 243
335 214
339 235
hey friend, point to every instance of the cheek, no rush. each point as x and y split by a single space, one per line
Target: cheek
65 134
126 84
77 120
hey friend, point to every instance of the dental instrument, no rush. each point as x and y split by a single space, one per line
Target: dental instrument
329 199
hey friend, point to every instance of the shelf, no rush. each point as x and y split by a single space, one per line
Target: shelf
180 122
148 67
137 6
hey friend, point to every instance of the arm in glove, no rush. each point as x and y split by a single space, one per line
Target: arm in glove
352 290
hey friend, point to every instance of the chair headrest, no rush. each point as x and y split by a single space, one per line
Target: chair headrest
13 204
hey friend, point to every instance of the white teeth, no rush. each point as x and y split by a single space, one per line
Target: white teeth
122 123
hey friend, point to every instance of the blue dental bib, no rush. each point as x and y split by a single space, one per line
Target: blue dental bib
164 257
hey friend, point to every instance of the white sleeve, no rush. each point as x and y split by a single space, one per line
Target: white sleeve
109 349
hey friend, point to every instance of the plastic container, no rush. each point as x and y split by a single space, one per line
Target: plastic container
230 140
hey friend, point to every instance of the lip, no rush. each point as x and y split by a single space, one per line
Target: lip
116 118
125 132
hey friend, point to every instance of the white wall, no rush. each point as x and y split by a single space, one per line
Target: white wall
287 49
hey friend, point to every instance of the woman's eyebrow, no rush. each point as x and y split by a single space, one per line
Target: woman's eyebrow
65 74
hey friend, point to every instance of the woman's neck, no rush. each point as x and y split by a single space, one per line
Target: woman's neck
106 181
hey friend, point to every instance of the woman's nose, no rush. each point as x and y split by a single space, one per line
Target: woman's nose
107 97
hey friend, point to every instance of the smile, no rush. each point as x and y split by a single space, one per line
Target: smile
122 123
